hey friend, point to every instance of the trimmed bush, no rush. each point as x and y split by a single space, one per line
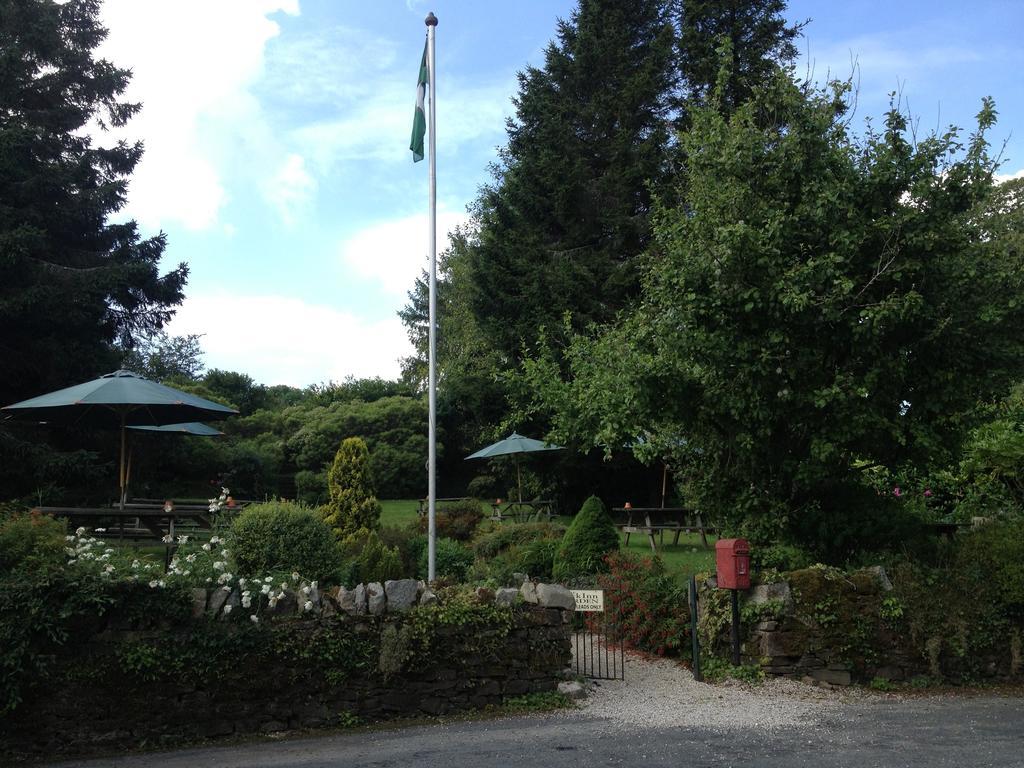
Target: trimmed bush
497 539
353 503
590 537
283 536
453 560
370 559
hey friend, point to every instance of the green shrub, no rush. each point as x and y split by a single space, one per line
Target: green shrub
453 560
494 540
590 537
456 520
369 559
536 559
409 542
281 535
353 503
30 542
646 607
781 557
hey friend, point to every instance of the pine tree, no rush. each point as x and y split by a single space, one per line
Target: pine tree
71 283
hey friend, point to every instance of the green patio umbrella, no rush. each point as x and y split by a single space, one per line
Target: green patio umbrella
511 445
195 428
123 399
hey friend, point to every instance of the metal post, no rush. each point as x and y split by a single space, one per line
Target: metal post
431 22
735 630
697 674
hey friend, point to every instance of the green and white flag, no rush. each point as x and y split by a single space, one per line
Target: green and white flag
419 118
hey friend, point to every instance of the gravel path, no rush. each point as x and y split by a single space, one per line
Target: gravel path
658 693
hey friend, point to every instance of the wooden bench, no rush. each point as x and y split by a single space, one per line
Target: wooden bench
648 520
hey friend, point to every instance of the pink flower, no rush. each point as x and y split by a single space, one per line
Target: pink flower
897 492
928 492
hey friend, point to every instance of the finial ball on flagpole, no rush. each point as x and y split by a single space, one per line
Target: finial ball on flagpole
431 20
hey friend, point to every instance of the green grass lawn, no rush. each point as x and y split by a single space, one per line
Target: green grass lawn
398 512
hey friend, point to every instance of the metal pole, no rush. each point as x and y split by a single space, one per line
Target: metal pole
735 630
431 22
697 674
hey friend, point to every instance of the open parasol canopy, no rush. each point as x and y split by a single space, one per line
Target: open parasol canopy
122 399
514 444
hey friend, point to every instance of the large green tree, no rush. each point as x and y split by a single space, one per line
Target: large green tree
72 283
75 287
559 231
823 303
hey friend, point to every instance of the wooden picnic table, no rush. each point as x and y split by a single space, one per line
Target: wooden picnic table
523 511
676 520
153 517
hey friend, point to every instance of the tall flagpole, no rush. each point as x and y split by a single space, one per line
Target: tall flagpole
431 22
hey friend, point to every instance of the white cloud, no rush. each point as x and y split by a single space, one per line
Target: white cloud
1001 177
290 189
284 340
193 62
393 253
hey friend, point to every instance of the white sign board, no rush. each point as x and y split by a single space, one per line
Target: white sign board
589 599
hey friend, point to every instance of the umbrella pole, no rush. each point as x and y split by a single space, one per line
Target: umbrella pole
664 483
519 481
124 441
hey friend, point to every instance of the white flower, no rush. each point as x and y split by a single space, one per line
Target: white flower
162 583
308 605
136 563
72 561
153 584
183 539
80 531
168 539
99 530
108 550
186 572
226 588
191 558
284 586
224 578
254 619
215 539
295 576
69 537
265 589
269 579
69 551
227 609
246 601
225 552
273 601
313 585
206 547
208 579
219 565
214 506
109 569
242 581
305 590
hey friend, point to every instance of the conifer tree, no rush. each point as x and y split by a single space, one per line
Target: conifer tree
353 503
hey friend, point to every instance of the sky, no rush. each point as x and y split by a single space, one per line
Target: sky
277 135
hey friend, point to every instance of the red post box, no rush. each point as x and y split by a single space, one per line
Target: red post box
732 558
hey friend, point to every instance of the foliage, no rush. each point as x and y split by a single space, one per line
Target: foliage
160 357
716 670
452 561
280 535
590 537
394 428
811 311
311 487
368 559
646 607
456 519
353 504
781 557
31 542
498 538
539 701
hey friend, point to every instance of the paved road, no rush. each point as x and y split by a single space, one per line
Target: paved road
983 732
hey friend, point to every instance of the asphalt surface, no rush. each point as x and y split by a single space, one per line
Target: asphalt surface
979 732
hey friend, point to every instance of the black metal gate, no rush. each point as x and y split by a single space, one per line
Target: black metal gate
594 653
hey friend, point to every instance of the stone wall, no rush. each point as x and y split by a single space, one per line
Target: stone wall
347 658
834 628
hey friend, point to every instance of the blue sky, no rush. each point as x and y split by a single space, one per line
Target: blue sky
277 144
